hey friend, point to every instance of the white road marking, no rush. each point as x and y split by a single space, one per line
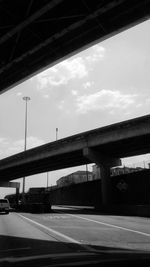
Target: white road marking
72 240
110 225
51 230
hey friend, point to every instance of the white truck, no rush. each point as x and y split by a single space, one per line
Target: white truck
4 206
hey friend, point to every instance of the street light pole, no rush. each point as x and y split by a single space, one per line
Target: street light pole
56 134
87 172
26 99
47 178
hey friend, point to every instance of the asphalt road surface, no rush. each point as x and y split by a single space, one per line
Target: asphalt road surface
72 235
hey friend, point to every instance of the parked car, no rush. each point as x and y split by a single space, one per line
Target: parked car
4 206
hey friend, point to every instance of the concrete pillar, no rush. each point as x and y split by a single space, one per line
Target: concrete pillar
106 188
105 162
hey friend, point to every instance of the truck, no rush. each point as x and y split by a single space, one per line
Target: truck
37 199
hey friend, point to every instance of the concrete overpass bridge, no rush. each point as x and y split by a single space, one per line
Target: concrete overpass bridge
103 146
35 35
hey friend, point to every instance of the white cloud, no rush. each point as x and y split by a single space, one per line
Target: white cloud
46 96
139 105
19 94
3 141
61 104
74 92
75 67
105 100
9 147
62 73
97 53
70 69
88 84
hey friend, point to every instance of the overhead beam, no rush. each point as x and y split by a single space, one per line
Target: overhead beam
29 20
57 35
29 47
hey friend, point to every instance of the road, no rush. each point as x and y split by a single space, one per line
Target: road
71 234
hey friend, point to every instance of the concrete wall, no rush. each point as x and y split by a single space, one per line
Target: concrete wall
87 193
133 188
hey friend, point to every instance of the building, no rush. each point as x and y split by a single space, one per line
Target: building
118 170
75 178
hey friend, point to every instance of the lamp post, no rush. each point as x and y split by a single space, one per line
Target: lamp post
56 134
26 99
47 178
87 172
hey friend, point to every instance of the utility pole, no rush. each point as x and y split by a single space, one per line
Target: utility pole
56 134
26 99
87 172
47 179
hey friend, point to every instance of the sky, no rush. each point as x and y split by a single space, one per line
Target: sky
102 85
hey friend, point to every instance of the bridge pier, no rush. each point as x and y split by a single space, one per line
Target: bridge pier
105 162
106 190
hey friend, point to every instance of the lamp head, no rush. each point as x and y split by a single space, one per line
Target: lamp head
27 98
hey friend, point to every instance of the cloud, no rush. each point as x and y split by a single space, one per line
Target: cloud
88 84
105 100
9 147
61 104
3 141
75 67
97 53
46 96
62 73
74 92
70 69
19 94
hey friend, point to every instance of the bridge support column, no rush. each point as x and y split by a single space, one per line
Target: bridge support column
105 163
106 189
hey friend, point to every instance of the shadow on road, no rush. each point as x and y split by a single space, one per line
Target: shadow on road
20 252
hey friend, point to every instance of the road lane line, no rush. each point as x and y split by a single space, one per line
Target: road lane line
51 230
72 240
110 225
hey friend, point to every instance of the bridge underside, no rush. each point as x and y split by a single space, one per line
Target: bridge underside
37 34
